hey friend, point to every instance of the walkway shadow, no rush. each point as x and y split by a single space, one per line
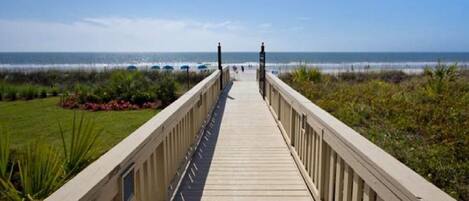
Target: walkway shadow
193 183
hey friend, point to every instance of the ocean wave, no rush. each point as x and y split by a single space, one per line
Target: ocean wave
213 65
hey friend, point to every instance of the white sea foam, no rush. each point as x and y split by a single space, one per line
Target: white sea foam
345 66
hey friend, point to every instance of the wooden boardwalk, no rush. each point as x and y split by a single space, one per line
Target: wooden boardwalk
243 155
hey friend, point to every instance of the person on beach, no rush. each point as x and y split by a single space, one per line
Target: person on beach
242 69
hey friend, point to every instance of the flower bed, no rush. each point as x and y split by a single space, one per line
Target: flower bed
72 103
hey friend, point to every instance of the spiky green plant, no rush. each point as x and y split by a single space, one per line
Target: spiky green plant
41 170
302 74
4 152
8 191
78 149
440 77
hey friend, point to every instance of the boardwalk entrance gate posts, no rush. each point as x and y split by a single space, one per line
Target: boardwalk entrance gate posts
262 71
230 144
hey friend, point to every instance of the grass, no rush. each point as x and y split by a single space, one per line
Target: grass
37 119
422 120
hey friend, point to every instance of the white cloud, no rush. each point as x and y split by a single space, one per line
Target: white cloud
124 34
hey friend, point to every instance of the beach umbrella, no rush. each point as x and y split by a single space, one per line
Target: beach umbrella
156 67
168 68
132 67
185 67
202 67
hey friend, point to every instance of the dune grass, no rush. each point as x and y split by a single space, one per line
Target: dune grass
422 120
39 119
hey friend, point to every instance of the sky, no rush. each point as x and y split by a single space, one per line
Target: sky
197 25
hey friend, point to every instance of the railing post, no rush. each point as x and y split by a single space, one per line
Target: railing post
220 67
262 71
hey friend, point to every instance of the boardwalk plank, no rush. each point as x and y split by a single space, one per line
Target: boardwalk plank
243 155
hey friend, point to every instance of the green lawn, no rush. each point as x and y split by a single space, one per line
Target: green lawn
38 119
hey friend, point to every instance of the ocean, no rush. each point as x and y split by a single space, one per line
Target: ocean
275 60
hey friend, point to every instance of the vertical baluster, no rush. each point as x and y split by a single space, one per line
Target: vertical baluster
179 143
324 170
307 149
332 172
152 177
160 173
348 179
167 162
146 181
368 193
138 186
357 193
315 160
173 152
305 143
142 184
311 152
339 178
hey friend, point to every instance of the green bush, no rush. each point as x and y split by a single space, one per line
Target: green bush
303 74
54 91
28 92
166 91
422 120
11 93
43 93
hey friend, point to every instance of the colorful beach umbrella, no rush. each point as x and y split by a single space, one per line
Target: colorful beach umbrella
185 67
156 67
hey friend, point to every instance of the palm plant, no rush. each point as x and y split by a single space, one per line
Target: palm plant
440 77
7 189
40 170
78 151
306 75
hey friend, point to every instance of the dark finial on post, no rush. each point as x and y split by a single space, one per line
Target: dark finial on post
262 78
219 66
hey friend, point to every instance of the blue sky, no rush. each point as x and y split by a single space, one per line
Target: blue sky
293 25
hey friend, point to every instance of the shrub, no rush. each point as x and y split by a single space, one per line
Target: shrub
141 98
28 92
54 91
423 121
43 93
166 91
11 93
306 75
439 77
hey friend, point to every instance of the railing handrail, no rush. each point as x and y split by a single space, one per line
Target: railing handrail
103 171
399 179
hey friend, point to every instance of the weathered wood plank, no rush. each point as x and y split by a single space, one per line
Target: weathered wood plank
243 155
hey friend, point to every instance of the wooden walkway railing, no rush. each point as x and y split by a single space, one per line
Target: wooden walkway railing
146 164
337 162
